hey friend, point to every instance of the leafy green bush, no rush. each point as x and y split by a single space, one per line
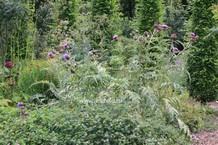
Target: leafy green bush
105 22
128 8
202 61
35 78
69 11
175 17
192 113
92 124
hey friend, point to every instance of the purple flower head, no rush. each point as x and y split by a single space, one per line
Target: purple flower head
175 50
192 34
65 45
11 84
141 38
51 55
9 64
20 104
66 57
115 37
193 37
163 26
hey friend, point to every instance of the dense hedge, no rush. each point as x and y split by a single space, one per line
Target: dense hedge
202 61
94 124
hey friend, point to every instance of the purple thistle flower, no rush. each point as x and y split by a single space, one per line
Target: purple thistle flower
20 104
141 38
175 50
65 45
66 57
115 37
192 34
163 26
9 64
51 55
193 37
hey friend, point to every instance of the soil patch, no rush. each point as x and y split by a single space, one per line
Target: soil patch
207 137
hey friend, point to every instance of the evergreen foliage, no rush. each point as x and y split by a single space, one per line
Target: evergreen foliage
100 7
202 61
106 20
128 8
175 17
69 11
149 12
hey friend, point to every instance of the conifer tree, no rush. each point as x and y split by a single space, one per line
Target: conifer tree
203 58
149 12
106 17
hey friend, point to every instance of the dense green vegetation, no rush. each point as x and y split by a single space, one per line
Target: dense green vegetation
109 72
202 62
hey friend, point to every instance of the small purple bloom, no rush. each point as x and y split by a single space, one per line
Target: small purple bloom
51 55
66 57
163 26
192 34
141 38
193 37
175 50
115 37
20 104
9 64
65 45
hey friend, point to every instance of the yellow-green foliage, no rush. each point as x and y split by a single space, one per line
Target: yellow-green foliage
191 113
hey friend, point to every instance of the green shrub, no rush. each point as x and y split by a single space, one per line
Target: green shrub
202 61
192 113
175 16
105 22
128 8
149 12
69 11
92 124
35 78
